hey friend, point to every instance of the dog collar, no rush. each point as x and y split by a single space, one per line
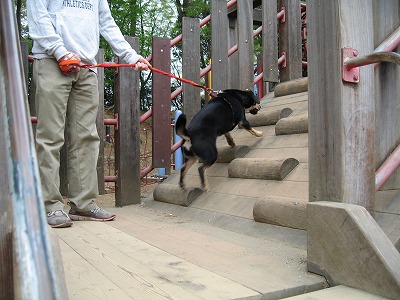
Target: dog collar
233 112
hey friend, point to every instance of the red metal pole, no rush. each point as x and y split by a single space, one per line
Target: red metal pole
387 168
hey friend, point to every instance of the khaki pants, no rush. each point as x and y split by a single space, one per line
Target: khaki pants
70 101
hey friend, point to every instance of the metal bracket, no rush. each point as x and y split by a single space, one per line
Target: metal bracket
351 75
283 18
284 59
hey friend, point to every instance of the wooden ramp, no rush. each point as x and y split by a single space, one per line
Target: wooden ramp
273 171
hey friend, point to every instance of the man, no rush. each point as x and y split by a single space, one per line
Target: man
66 34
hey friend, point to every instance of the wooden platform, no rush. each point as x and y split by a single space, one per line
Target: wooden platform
149 254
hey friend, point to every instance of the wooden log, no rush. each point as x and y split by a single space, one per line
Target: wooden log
292 125
174 194
347 246
281 211
226 153
268 117
299 85
261 168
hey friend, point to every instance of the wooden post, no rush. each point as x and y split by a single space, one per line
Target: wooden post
127 137
233 60
6 230
387 84
270 41
290 40
161 105
341 115
245 45
100 123
191 66
219 44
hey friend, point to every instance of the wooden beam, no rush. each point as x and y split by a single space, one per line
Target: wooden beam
127 137
270 41
341 115
245 46
347 246
219 44
387 85
161 105
290 40
191 66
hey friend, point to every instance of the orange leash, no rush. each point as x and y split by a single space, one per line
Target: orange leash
114 65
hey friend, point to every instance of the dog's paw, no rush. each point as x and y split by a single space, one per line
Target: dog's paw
258 133
232 144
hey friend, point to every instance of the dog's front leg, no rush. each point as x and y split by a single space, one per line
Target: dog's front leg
229 139
246 125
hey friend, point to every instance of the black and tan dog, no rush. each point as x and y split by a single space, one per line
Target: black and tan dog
218 117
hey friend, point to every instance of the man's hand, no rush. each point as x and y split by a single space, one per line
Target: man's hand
142 64
69 63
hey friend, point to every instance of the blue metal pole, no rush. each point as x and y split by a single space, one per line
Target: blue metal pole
178 153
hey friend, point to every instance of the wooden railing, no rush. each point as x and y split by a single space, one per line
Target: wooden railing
28 268
232 67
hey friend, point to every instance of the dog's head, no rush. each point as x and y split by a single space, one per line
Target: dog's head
251 102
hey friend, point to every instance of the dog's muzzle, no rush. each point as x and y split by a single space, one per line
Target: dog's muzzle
254 109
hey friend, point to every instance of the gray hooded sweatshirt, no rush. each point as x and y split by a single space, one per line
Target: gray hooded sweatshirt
61 26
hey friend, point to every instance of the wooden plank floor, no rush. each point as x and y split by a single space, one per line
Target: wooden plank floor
148 254
102 262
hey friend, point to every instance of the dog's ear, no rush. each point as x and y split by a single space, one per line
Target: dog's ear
254 97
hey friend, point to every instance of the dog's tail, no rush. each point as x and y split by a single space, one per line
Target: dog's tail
180 127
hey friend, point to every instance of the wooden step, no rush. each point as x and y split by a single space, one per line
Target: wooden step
293 124
267 117
174 194
288 212
261 168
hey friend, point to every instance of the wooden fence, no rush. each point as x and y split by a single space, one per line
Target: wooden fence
232 67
